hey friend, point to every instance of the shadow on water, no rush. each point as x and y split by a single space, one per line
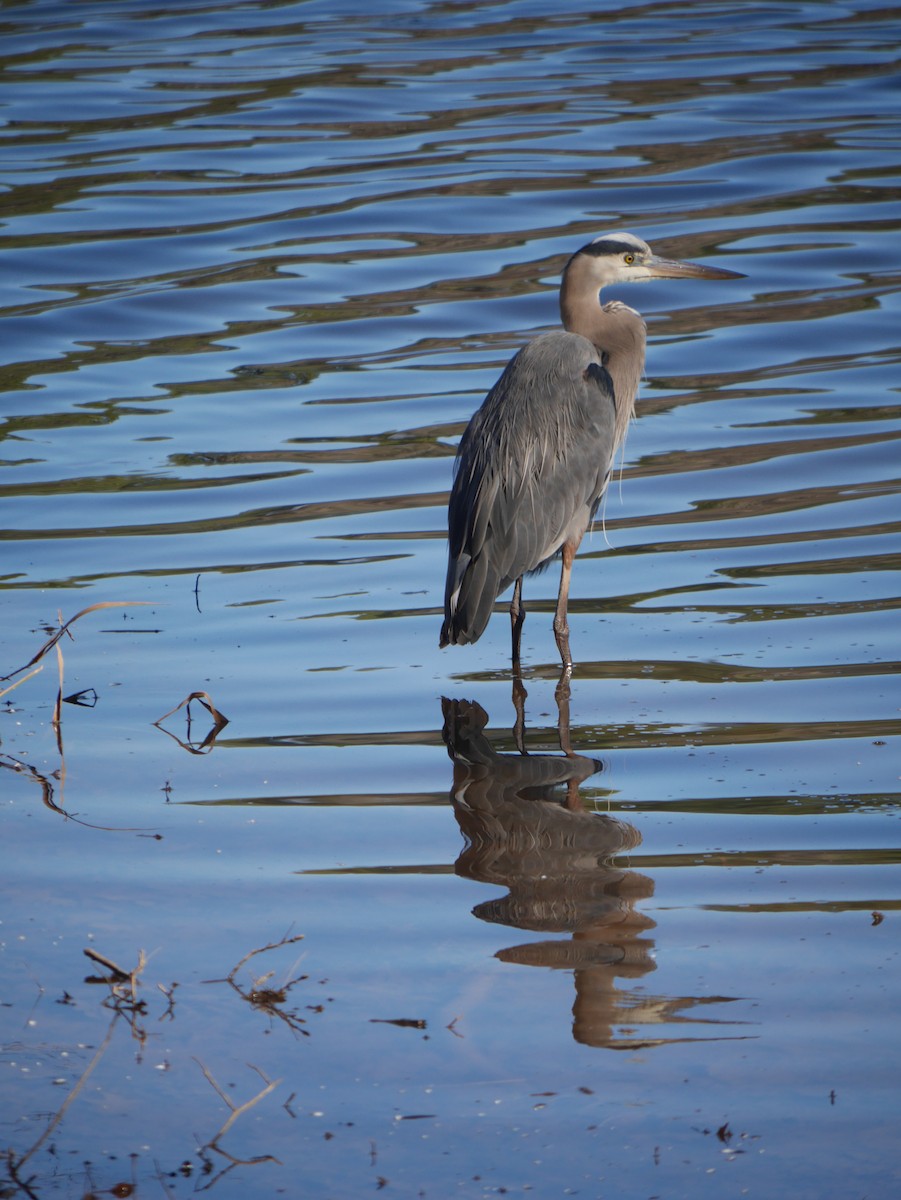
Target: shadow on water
527 829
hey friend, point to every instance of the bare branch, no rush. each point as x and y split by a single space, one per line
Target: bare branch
30 675
64 629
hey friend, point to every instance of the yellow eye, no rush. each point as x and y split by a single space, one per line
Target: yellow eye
628 259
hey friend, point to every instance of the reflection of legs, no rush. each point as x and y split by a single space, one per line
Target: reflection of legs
561 623
517 616
561 695
519 706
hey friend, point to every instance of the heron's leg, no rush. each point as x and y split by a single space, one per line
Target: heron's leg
517 616
561 623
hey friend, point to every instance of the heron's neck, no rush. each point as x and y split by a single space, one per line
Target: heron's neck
617 332
580 308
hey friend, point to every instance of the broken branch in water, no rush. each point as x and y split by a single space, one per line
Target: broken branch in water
219 723
15 1164
64 628
24 679
123 986
235 1111
269 999
116 971
43 781
126 1005
53 643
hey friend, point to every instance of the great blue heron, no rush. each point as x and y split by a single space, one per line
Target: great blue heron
535 459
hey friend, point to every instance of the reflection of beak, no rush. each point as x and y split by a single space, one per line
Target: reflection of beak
668 268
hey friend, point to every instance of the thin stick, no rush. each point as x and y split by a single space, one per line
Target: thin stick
56 721
23 768
207 703
285 941
64 629
237 1110
30 675
108 963
71 1096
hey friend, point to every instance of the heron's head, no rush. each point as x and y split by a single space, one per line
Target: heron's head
620 257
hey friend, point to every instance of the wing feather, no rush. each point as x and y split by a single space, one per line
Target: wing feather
530 471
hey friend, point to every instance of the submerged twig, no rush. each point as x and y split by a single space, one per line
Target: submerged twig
65 627
235 1111
287 940
19 682
14 1164
123 990
24 768
268 999
53 643
219 723
169 993
114 970
47 789
57 707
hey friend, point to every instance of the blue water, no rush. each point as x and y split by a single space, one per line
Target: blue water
260 263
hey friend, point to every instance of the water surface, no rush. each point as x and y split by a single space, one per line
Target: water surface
260 264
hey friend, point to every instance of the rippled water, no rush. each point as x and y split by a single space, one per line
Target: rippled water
260 262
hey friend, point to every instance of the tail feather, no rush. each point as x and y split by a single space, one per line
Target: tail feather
470 601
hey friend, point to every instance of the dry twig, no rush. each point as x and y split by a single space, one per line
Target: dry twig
47 790
64 630
235 1111
14 1165
123 985
219 723
19 682
268 999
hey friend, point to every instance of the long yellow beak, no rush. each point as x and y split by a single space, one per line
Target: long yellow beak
669 268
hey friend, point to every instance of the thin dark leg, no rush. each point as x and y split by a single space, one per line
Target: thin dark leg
517 616
561 623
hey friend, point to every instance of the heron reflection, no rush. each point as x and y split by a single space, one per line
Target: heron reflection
528 830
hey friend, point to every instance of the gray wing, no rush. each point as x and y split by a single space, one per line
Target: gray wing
531 469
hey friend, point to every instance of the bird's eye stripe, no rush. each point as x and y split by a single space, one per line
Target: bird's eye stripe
603 246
